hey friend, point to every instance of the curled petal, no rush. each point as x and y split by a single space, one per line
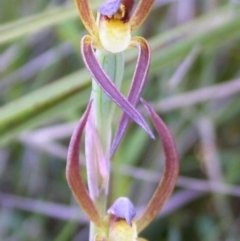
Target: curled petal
74 178
91 159
97 162
141 13
107 85
137 86
87 17
170 174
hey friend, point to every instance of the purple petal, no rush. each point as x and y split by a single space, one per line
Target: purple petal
167 184
74 178
97 162
109 7
107 85
136 89
123 208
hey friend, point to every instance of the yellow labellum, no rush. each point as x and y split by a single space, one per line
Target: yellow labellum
122 231
114 34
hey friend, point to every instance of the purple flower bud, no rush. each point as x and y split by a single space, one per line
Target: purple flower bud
123 208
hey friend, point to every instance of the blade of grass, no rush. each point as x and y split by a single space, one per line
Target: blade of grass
169 46
11 31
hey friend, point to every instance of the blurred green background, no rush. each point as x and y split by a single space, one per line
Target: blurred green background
194 84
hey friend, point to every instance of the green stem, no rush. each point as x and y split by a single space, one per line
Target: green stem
103 111
113 64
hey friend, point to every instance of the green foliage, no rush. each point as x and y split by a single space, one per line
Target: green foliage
194 84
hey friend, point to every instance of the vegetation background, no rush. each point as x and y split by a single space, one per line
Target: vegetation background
194 84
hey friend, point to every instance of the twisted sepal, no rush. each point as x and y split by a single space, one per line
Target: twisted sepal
137 86
141 13
108 86
87 17
170 174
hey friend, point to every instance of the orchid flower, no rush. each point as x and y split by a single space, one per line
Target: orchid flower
112 31
120 224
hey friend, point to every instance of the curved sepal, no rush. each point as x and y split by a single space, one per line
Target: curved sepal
170 173
108 86
137 86
141 13
87 17
73 175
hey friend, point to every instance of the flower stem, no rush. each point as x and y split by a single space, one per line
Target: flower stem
113 64
103 113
